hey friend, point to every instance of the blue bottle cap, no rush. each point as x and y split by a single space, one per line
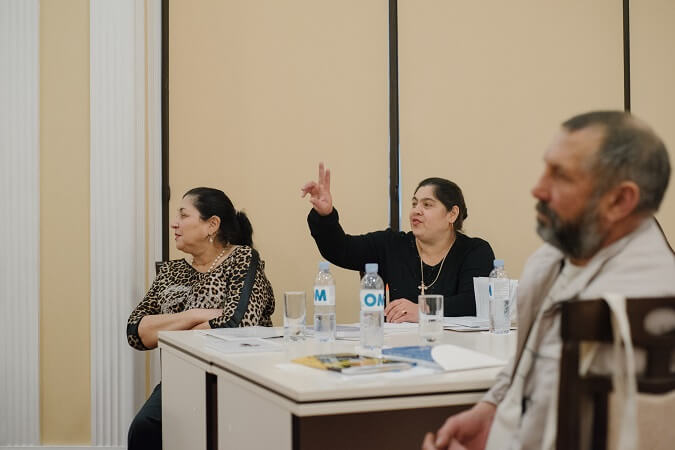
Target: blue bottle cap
324 265
371 268
498 263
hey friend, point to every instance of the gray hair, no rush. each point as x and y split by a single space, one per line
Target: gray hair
630 151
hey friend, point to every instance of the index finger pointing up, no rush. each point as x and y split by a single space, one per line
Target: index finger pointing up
324 177
321 173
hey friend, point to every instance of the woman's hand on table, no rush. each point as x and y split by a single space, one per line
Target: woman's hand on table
319 192
202 326
201 315
401 310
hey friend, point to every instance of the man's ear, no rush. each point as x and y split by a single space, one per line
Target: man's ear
622 201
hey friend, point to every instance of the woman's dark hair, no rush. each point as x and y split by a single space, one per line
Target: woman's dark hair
450 195
235 228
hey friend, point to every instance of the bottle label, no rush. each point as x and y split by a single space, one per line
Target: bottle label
498 288
372 299
324 295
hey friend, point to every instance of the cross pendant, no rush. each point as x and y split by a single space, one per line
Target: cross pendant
421 287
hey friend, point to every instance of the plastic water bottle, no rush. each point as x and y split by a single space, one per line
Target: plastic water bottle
372 310
498 288
324 304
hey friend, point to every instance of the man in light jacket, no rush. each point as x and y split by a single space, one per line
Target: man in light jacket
605 176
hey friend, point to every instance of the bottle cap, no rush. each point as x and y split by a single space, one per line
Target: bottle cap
499 263
371 268
324 265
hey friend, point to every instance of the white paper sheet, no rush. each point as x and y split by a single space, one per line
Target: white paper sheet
245 332
452 358
465 323
243 345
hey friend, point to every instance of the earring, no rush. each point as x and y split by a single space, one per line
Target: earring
210 238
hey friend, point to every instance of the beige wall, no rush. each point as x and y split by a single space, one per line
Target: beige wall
652 37
64 222
483 90
260 92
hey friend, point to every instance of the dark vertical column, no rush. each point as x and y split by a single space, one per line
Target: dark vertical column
295 433
211 411
393 118
166 193
626 55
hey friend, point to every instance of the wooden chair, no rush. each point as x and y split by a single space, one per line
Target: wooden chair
589 320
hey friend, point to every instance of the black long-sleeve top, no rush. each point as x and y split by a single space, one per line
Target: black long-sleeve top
399 261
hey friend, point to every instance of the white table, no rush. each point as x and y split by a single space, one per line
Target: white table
261 400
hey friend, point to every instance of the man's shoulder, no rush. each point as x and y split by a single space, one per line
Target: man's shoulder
645 249
645 266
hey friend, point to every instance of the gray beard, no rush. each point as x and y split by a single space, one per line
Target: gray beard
579 239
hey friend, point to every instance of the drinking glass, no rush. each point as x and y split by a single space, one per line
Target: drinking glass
430 318
295 311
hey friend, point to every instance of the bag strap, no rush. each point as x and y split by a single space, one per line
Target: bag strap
242 306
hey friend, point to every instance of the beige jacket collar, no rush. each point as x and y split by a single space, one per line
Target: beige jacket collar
545 265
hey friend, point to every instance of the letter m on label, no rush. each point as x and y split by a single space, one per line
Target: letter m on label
380 300
320 295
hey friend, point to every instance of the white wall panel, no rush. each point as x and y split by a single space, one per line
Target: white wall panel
20 227
117 52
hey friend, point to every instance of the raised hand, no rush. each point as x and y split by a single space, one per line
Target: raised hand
319 192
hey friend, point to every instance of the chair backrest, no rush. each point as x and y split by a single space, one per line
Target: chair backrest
589 320
158 265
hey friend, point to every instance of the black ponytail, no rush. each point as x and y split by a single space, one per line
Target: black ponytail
245 230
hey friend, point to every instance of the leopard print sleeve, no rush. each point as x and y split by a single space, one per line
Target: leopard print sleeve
148 306
261 301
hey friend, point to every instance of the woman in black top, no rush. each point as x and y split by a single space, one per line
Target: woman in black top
434 258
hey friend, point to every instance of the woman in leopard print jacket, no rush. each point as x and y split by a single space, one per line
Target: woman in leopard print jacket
202 293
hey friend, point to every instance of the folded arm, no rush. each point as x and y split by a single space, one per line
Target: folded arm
147 320
150 326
